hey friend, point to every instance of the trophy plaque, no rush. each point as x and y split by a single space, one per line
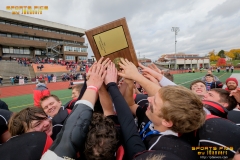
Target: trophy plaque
112 40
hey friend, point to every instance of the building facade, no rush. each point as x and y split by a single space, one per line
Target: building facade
184 61
23 36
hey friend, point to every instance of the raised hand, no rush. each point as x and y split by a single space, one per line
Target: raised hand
151 78
130 71
155 68
236 94
147 70
111 74
97 75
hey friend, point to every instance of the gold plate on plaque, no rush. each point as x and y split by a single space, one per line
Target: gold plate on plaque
111 41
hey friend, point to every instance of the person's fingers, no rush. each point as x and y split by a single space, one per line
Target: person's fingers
105 62
104 74
123 62
94 67
122 66
98 68
102 69
126 60
121 74
142 66
100 60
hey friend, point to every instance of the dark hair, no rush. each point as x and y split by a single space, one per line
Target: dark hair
102 139
210 75
20 121
225 98
197 81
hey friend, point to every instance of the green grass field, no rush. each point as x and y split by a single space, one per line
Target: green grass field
185 79
19 102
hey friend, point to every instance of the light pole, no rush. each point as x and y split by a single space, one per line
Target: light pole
176 30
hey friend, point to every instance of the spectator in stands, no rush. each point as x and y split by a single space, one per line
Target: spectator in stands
12 80
25 79
232 84
49 78
40 91
1 80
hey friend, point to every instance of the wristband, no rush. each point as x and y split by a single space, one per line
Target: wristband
93 88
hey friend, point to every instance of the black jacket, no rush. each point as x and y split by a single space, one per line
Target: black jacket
3 105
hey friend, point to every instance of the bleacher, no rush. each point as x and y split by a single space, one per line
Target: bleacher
11 69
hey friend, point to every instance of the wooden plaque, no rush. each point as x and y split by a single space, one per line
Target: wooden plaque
112 40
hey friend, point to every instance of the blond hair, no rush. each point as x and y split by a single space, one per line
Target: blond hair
182 107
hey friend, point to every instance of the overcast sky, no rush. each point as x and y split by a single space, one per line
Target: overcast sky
205 25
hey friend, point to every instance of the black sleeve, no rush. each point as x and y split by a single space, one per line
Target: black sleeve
132 141
72 136
3 105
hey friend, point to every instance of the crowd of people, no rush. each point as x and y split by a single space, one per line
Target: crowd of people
127 114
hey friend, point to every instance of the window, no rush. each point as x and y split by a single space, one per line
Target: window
20 36
78 49
2 22
6 50
45 29
10 49
30 27
82 58
20 50
14 36
16 50
26 51
37 52
3 34
35 27
9 35
25 37
36 38
83 49
70 57
31 38
14 24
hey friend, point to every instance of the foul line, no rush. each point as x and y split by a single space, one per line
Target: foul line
197 78
31 104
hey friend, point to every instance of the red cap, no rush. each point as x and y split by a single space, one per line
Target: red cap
232 79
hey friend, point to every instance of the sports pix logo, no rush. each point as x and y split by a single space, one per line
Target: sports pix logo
26 9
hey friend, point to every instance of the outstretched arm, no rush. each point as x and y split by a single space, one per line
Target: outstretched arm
73 134
132 141
130 71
